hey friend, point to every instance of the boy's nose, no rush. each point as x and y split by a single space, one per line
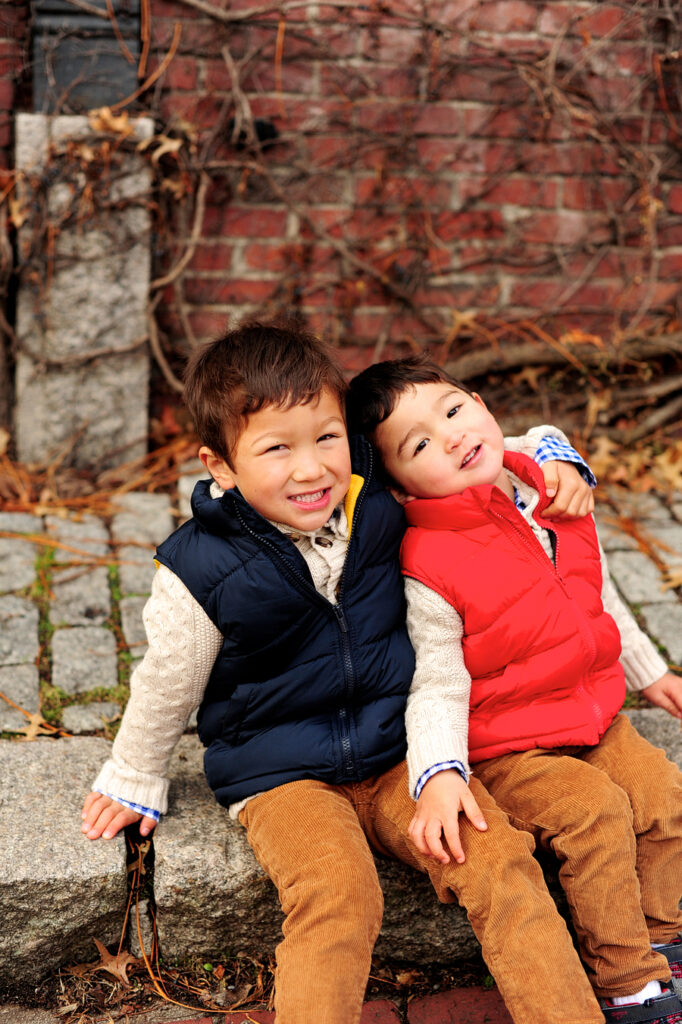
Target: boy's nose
453 439
308 467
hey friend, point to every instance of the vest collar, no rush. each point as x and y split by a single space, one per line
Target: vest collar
471 506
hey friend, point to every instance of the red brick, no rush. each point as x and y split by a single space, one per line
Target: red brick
326 149
514 190
212 257
244 222
592 194
270 258
567 227
537 294
379 1011
556 17
496 85
170 9
674 201
583 157
505 16
213 292
181 73
460 1006
437 119
610 19
404 191
669 234
394 45
285 77
453 225
6 94
207 324
670 266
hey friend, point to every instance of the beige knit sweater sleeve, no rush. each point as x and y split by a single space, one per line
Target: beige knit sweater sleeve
164 690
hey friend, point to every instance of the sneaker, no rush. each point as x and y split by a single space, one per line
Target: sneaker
663 1009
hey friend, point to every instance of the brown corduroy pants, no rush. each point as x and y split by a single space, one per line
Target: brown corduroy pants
612 814
315 841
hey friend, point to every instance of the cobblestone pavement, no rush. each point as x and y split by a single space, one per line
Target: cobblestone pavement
71 595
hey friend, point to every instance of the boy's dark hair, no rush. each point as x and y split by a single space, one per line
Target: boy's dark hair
373 394
256 364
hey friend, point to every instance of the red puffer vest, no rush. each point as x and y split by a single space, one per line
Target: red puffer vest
541 650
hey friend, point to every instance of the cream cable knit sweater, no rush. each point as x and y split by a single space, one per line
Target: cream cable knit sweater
183 644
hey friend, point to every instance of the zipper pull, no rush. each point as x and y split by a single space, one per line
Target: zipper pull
341 618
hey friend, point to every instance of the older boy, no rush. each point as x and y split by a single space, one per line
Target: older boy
518 671
279 608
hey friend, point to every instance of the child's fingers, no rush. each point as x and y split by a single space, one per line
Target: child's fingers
425 834
432 835
147 825
124 817
473 811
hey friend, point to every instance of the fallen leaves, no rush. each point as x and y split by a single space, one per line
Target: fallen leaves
653 466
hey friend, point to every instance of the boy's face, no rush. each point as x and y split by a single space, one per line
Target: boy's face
439 440
292 465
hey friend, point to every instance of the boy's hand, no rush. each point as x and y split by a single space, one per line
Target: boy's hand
438 809
666 693
573 497
103 816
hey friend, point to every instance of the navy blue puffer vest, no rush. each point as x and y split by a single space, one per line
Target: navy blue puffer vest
301 688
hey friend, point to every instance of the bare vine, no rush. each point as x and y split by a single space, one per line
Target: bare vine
195 167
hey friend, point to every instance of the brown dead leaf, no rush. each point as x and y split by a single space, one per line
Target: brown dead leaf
18 211
669 466
408 977
603 456
596 403
35 726
578 337
102 120
672 578
530 375
116 964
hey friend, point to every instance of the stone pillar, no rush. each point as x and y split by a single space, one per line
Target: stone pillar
84 263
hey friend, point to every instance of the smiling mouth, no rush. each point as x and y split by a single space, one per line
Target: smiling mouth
311 498
470 456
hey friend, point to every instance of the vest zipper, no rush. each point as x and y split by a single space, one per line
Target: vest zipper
586 632
336 609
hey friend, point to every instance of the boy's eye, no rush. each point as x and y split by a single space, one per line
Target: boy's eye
276 448
327 437
421 446
453 412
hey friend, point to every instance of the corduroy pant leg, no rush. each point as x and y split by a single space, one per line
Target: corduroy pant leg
653 785
307 837
523 938
576 810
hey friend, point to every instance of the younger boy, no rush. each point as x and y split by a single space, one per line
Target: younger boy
279 609
518 671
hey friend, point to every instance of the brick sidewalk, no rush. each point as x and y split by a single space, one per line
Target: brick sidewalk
473 1005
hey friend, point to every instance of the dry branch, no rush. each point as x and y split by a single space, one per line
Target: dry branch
480 362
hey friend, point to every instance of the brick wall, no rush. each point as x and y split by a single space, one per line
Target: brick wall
442 172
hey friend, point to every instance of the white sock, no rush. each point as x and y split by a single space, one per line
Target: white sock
652 988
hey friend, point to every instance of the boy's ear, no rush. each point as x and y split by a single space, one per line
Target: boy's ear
218 468
477 398
400 496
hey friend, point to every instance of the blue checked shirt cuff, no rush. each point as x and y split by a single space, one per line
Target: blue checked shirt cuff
553 448
148 812
442 766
